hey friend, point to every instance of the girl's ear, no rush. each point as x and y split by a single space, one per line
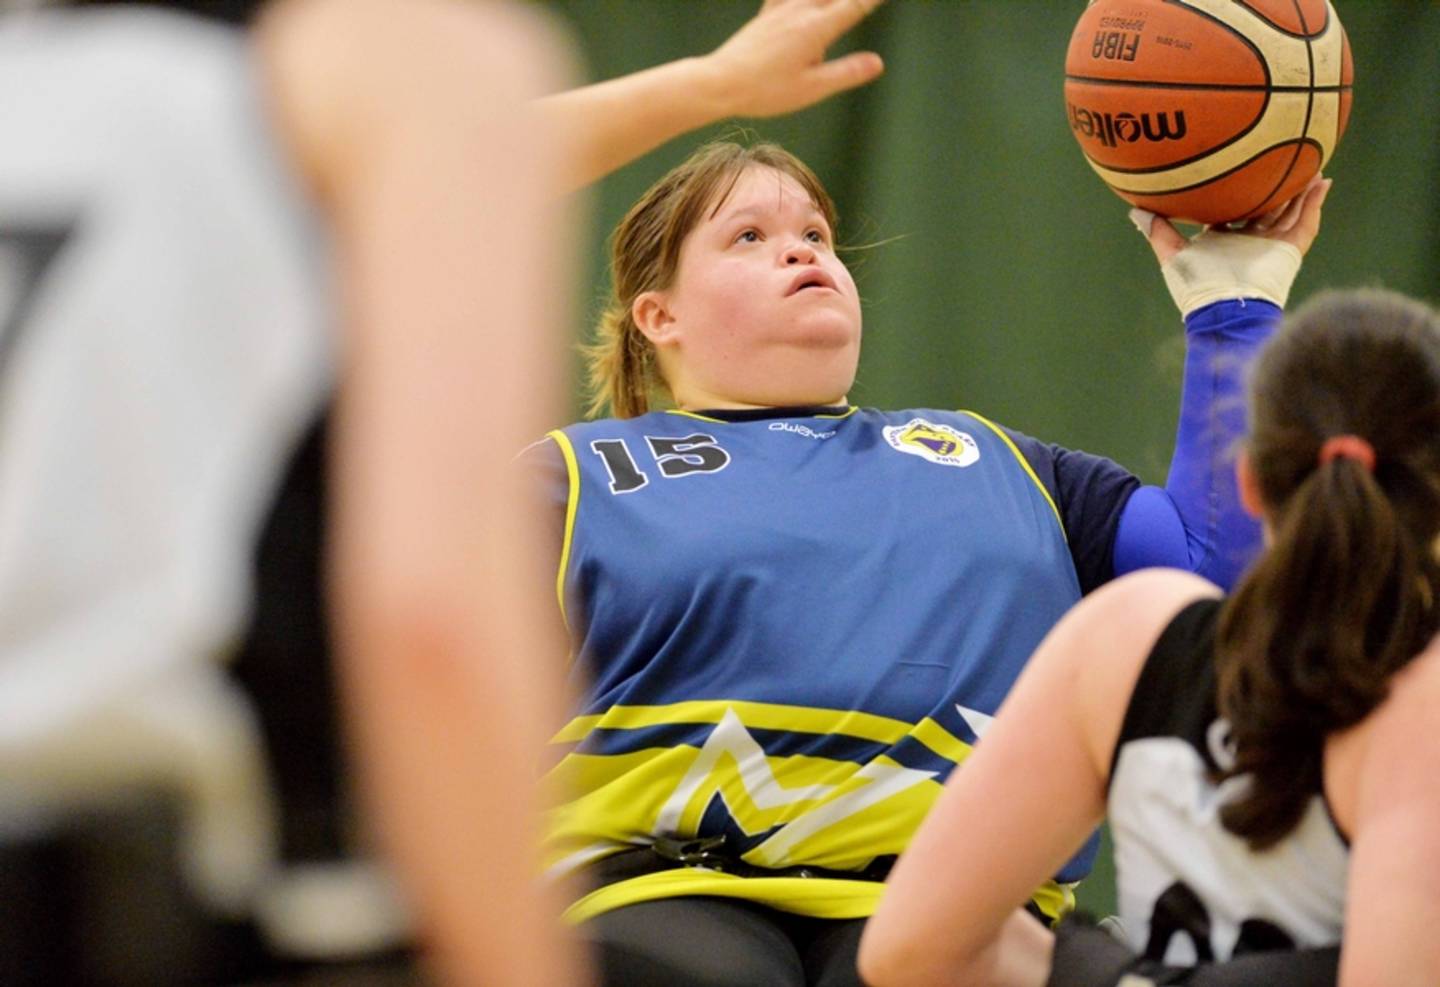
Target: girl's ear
653 318
1249 485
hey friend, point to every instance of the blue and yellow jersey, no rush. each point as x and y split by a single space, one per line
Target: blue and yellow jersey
789 629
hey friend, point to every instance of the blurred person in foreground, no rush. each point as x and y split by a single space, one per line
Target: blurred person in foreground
202 232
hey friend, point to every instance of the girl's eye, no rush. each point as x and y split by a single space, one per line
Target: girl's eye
748 236
815 236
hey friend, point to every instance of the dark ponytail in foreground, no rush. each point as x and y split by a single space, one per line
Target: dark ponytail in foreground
1345 447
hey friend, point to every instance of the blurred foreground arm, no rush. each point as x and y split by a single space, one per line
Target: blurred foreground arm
450 253
773 65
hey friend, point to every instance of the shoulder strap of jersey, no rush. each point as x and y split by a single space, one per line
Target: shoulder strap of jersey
1175 693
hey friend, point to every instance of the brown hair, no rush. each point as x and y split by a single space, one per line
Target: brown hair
645 253
1345 595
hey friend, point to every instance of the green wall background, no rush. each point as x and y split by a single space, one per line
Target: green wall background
1018 286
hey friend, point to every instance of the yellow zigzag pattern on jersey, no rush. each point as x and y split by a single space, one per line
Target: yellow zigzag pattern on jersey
830 810
831 813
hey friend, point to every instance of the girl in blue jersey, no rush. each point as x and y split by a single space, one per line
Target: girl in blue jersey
793 617
1267 761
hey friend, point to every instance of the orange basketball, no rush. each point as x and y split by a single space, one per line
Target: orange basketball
1208 110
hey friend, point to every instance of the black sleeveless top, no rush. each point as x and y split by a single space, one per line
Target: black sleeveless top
1189 890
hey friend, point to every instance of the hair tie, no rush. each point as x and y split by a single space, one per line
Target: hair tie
1348 447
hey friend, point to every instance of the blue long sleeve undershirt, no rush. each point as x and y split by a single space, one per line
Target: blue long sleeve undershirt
1196 521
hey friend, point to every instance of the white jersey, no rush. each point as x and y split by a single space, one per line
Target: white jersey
163 339
1190 890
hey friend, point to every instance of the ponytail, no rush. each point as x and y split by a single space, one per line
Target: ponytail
620 368
1307 643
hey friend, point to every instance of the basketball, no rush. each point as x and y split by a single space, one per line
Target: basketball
1208 110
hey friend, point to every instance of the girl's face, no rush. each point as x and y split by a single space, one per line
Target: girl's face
761 311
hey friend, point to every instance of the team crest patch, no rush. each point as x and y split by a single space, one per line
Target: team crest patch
937 443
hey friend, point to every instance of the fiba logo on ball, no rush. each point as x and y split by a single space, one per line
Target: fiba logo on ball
1208 110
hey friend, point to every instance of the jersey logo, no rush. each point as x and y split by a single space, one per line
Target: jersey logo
1221 744
937 443
804 430
1181 934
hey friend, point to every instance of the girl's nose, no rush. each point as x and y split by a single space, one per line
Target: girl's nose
800 252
